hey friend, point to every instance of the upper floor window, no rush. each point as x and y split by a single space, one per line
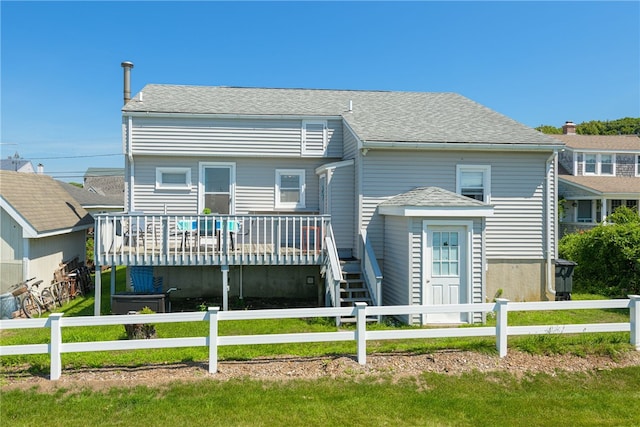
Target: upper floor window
474 182
599 164
290 188
638 165
173 178
314 137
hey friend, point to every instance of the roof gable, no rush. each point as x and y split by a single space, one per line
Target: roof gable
42 203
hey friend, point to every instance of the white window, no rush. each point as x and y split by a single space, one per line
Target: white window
638 165
599 164
314 137
290 187
173 178
474 182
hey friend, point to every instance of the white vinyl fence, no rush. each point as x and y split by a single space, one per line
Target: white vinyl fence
501 331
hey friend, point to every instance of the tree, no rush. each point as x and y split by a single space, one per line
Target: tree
625 126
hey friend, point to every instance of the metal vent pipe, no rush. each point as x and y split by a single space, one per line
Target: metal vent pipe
127 66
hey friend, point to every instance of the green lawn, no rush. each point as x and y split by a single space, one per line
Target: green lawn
604 398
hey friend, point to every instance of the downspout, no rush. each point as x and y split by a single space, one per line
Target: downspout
549 278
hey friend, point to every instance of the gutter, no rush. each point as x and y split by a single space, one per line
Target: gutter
466 146
548 176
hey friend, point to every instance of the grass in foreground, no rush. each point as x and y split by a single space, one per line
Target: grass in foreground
605 398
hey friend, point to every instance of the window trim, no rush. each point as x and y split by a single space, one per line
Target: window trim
301 204
486 179
598 164
160 185
637 164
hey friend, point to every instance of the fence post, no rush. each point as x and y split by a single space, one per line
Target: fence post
361 331
55 346
634 320
501 326
213 339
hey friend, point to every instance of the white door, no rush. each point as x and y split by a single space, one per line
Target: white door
217 184
446 268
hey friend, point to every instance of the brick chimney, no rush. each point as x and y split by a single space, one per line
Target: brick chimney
569 128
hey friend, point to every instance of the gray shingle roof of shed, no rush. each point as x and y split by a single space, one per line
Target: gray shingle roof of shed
432 197
42 202
417 117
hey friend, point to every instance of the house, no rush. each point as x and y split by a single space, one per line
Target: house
17 164
105 182
596 175
41 226
94 202
417 198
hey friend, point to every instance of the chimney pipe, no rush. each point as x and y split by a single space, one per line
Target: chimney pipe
127 66
40 168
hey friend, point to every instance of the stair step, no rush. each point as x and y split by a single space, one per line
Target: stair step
354 290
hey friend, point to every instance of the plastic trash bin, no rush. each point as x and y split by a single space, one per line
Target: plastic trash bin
564 279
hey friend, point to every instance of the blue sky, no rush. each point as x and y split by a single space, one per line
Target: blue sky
536 62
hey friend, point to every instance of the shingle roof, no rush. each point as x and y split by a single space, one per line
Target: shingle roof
602 142
605 184
91 199
432 197
380 116
42 202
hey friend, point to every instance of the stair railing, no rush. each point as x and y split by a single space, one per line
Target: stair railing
370 270
333 272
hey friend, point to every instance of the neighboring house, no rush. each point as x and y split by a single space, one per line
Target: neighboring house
93 202
105 181
443 199
41 226
596 175
16 164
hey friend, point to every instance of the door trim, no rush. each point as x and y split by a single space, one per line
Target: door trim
466 260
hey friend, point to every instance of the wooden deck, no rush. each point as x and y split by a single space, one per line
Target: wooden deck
126 239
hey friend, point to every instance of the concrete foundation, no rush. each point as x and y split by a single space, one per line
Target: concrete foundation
517 280
300 282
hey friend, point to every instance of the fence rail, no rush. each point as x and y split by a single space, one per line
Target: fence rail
360 335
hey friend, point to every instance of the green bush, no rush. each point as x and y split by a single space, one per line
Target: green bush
608 256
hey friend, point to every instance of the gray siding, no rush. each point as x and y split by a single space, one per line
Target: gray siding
342 209
241 137
350 150
517 192
396 282
254 191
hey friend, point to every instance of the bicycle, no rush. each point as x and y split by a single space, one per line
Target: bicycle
33 301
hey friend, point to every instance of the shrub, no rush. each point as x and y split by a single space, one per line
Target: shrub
608 256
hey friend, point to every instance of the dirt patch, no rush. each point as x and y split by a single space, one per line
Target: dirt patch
394 366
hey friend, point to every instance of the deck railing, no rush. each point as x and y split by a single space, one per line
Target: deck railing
143 239
360 335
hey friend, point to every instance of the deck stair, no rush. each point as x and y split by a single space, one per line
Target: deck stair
353 288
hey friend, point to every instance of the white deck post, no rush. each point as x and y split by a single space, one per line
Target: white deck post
213 339
225 287
55 346
501 326
361 332
634 320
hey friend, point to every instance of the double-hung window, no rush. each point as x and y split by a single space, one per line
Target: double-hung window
638 165
173 178
599 164
474 181
290 188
